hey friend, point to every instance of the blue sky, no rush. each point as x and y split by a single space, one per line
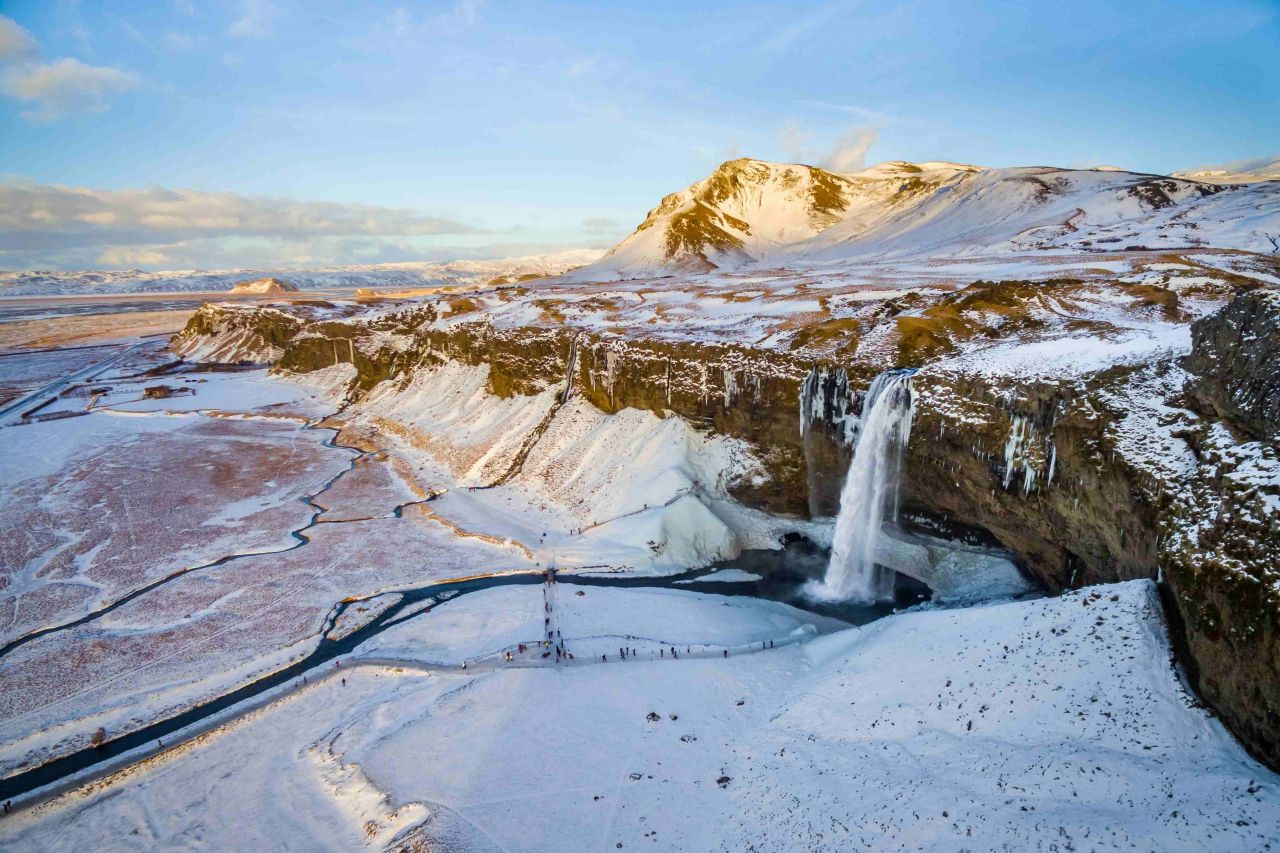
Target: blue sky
324 132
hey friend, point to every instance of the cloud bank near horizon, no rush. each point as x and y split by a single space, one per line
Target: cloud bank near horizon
50 226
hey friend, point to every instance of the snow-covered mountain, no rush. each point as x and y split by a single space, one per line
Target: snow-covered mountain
375 276
752 213
748 210
265 285
1238 172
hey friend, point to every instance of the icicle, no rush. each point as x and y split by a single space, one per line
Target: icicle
571 365
610 364
730 387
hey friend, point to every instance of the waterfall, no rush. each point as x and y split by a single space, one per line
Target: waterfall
870 488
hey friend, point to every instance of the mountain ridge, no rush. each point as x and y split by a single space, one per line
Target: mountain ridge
754 213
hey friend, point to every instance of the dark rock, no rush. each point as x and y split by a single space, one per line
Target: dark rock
1235 355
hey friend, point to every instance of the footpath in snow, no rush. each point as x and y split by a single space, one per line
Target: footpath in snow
1055 723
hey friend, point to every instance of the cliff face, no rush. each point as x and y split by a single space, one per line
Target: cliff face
1235 355
1227 593
1106 477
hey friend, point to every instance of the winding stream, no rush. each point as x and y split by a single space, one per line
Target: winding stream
331 648
782 575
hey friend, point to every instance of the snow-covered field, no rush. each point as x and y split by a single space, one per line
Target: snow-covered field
1048 724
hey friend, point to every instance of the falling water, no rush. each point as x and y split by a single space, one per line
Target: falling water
870 487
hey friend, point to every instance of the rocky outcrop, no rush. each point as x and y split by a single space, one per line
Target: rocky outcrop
228 334
264 286
1235 357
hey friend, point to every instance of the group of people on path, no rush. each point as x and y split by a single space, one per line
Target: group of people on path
553 640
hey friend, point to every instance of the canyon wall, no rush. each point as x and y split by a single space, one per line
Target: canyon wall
1122 474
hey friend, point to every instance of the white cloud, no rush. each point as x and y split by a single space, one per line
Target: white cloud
256 17
850 152
131 257
401 21
59 88
582 65
467 11
179 42
43 225
67 86
601 225
81 216
262 253
801 25
847 154
15 42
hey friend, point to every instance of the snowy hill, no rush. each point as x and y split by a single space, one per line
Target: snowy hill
751 213
1238 172
748 210
265 285
376 276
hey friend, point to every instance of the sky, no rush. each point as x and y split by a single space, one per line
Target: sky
173 134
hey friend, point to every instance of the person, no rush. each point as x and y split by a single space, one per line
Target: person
464 664
771 644
604 659
726 652
344 682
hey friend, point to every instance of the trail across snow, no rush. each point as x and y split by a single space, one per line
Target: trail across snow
1045 724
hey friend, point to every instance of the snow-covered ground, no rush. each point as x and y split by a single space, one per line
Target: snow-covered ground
629 489
1050 724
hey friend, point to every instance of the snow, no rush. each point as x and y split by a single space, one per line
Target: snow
902 211
1238 172
1070 356
628 489
1046 724
251 391
461 273
724 576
